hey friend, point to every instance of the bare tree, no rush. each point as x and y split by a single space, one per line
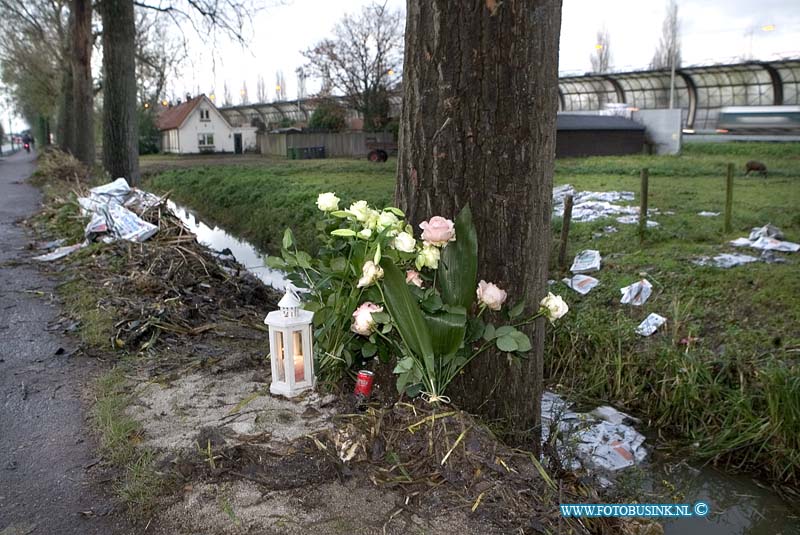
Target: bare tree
601 59
243 97
361 59
668 50
480 94
227 100
261 89
280 86
82 84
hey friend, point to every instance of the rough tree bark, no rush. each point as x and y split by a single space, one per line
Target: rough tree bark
120 120
480 90
82 90
65 122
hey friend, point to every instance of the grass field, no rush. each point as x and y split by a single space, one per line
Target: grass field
731 394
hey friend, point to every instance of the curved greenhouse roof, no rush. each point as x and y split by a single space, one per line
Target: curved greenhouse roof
699 91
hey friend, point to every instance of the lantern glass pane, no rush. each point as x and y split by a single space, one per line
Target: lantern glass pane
299 364
279 355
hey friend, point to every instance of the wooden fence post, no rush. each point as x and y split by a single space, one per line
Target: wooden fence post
562 250
643 204
729 198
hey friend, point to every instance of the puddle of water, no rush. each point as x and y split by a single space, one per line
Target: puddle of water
217 239
738 506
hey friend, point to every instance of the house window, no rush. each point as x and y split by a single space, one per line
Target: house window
205 140
204 114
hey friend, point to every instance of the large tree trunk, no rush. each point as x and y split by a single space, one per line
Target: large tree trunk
478 127
120 120
65 122
82 91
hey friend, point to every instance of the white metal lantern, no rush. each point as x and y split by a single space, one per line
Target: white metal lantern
290 347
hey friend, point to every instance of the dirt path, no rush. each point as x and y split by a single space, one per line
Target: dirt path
46 459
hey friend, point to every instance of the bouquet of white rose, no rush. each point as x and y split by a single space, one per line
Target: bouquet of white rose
377 291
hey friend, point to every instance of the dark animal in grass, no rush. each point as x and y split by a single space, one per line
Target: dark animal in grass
758 167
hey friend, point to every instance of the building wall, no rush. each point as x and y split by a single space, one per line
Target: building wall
169 141
249 138
337 145
193 126
572 143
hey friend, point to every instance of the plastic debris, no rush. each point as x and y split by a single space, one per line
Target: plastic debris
634 219
586 261
767 231
637 293
707 214
650 324
582 284
601 440
725 260
61 252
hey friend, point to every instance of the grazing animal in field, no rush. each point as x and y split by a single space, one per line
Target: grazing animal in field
758 167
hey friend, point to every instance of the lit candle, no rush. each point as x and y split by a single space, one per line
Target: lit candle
299 372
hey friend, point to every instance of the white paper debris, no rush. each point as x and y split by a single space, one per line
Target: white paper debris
650 324
741 242
107 204
637 293
586 261
772 244
601 440
61 252
708 214
592 205
725 260
582 284
767 231
634 219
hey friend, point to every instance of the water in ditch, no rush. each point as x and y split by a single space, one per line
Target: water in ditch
738 504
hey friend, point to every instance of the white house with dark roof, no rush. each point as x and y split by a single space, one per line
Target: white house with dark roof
197 126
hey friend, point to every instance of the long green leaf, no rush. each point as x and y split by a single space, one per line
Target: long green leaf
458 266
405 311
447 331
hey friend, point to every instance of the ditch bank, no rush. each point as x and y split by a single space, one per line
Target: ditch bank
199 444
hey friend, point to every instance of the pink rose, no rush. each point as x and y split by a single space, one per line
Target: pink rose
413 277
438 231
490 295
363 323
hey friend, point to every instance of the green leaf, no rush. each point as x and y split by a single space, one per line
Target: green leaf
447 331
432 303
504 330
517 310
377 258
523 342
458 266
475 328
288 238
339 264
303 259
506 343
489 332
341 213
404 365
405 312
343 232
369 349
276 262
380 317
396 211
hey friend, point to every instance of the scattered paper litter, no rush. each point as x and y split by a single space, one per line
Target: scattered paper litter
586 261
61 252
725 260
741 242
767 231
708 214
600 440
634 219
772 244
650 324
582 284
637 293
592 205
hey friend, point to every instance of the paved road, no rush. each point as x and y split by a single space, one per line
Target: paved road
46 484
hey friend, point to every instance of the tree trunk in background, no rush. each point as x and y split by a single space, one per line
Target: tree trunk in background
120 120
65 123
480 94
82 90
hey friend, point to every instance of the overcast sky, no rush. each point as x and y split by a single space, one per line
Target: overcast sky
712 31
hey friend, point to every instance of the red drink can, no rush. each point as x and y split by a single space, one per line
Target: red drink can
364 383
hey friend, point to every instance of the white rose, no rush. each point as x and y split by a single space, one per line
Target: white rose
369 274
365 233
328 202
405 242
428 257
360 210
490 295
371 220
553 307
386 220
363 323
